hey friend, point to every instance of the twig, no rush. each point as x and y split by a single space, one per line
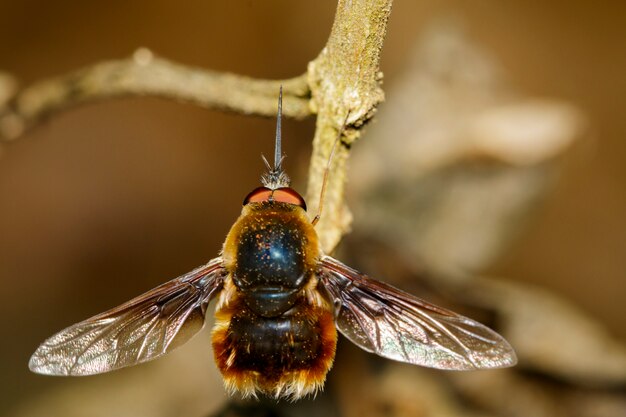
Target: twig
146 75
343 80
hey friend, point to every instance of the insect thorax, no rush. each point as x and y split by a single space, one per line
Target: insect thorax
271 253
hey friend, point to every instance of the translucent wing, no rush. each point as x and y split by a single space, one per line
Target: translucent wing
391 323
138 331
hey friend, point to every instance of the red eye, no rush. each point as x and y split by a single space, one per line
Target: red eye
289 195
283 195
258 195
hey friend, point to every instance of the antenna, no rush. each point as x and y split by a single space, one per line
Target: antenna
277 151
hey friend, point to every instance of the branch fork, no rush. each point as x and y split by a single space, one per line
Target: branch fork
344 79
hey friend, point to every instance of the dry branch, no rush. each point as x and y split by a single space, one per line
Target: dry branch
344 80
345 83
143 74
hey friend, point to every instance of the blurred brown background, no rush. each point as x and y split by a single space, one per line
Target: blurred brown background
105 201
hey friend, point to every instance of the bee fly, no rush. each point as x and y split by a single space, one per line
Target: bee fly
280 300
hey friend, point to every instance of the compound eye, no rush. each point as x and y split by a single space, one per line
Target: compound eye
258 195
289 195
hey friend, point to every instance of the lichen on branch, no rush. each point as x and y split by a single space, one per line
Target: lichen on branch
345 88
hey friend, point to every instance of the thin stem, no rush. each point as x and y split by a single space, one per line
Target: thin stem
146 75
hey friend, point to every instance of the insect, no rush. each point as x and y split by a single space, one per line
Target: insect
280 301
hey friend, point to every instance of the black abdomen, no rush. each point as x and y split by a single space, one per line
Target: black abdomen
275 345
270 268
285 355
